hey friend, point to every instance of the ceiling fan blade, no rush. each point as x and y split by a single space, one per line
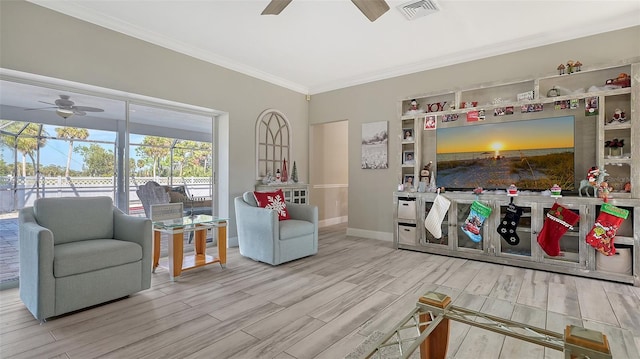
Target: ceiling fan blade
78 112
39 108
275 7
372 9
86 109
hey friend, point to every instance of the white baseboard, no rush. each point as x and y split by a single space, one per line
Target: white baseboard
383 236
333 221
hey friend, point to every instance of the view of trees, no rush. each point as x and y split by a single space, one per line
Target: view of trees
152 155
26 143
98 161
71 133
155 149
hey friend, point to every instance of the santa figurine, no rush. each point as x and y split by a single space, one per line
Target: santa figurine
603 191
592 175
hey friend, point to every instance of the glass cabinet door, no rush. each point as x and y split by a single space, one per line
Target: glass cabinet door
515 234
428 238
470 233
572 240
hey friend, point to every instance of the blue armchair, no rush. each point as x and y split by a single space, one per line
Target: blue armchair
76 252
262 237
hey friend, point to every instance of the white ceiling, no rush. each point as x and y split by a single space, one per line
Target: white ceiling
315 46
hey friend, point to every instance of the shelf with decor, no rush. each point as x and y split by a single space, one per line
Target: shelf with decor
592 114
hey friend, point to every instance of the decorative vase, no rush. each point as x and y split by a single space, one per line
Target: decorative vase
616 151
285 174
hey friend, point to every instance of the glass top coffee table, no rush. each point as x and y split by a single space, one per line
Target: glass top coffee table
199 224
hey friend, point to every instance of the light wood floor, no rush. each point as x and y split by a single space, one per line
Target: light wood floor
322 307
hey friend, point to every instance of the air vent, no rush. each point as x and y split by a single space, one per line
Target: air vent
415 9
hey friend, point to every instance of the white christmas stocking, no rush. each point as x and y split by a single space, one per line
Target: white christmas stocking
433 222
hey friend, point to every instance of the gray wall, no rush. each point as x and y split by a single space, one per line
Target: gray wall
36 40
370 202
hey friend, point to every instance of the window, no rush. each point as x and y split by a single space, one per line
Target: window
273 142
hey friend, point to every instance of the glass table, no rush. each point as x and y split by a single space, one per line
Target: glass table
199 224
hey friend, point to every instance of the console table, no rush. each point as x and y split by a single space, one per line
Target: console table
294 193
576 257
177 227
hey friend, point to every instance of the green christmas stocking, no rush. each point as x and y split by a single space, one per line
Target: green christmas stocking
604 230
473 224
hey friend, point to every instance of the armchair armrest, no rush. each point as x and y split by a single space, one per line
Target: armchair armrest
258 230
303 212
37 283
256 219
138 230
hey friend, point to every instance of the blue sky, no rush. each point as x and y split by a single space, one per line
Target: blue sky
55 151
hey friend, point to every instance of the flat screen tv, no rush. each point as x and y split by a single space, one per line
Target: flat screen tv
532 154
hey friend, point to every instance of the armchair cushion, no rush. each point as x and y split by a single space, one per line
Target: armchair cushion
295 228
250 199
273 200
86 217
90 255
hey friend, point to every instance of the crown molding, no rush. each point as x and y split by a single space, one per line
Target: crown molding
76 10
80 12
482 52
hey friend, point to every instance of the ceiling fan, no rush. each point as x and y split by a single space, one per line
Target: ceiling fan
66 108
372 9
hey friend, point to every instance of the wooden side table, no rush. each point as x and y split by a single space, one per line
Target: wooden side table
199 224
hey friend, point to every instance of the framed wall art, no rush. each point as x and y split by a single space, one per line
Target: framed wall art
375 136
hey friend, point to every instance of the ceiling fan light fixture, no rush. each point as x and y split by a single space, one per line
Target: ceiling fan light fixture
64 113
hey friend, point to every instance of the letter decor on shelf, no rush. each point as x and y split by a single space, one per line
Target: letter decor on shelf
436 106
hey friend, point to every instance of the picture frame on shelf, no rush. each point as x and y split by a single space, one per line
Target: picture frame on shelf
408 158
407 135
591 106
450 117
408 182
430 122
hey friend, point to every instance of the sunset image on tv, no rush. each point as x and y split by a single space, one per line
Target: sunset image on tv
532 154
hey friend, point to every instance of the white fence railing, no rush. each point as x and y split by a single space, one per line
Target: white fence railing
16 193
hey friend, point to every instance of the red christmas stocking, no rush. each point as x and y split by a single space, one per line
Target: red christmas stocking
604 230
558 221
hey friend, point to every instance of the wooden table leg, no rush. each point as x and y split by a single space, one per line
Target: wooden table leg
435 346
176 254
200 240
156 249
222 245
